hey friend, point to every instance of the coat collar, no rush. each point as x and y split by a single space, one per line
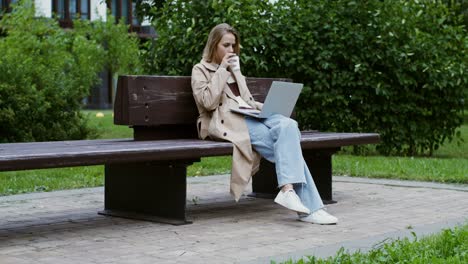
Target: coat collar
209 65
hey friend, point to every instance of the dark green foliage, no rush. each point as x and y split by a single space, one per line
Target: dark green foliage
460 8
393 67
183 27
46 72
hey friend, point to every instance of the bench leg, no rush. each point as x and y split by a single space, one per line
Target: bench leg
264 183
320 165
151 191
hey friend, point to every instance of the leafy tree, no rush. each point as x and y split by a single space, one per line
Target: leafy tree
46 72
121 49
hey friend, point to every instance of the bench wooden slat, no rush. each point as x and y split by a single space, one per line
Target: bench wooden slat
145 100
39 155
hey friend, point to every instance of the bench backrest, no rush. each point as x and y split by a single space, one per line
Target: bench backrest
162 107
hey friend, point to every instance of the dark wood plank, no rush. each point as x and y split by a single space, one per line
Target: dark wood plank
332 140
37 155
166 100
179 131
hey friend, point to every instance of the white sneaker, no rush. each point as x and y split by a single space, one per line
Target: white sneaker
320 217
290 200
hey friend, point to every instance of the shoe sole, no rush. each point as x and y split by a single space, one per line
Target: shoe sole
316 223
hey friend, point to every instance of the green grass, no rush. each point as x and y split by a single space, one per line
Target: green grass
453 170
15 182
449 164
455 149
104 126
450 246
210 166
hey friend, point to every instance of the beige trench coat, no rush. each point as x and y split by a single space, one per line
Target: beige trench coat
214 100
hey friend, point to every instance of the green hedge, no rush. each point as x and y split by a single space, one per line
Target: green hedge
183 27
393 67
46 72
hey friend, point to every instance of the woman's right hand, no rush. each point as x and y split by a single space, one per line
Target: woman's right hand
227 61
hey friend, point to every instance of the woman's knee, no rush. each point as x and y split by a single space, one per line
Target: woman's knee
288 123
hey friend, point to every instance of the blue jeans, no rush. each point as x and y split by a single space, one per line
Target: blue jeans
277 139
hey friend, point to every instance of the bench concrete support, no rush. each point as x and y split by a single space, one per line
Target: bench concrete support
151 191
319 161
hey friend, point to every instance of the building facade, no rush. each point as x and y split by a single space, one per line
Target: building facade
68 10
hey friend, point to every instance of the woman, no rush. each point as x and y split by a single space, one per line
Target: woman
218 86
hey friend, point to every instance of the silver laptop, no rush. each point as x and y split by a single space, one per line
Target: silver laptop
281 99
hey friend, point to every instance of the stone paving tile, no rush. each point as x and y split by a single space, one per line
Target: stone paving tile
63 227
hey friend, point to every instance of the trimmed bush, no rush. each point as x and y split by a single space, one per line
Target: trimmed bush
393 67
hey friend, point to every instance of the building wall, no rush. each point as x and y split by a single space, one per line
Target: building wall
43 8
98 9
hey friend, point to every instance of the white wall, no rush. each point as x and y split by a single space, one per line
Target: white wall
146 21
43 8
98 10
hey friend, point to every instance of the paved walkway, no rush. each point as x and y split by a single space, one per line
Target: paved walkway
63 226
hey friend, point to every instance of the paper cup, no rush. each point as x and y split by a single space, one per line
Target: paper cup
235 63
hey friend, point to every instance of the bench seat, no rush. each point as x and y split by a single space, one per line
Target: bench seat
40 155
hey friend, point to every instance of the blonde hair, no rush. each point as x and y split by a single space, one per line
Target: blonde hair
214 38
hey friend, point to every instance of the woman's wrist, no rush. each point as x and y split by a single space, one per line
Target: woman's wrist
224 66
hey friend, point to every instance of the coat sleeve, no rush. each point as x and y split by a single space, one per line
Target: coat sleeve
249 99
259 105
207 91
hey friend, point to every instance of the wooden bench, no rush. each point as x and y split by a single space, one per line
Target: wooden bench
145 177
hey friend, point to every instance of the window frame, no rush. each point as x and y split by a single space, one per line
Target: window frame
67 20
6 6
129 16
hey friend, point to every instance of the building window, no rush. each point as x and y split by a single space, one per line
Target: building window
67 10
5 5
123 9
85 9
